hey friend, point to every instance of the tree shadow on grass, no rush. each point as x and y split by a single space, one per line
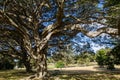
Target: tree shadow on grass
13 74
104 69
64 75
83 75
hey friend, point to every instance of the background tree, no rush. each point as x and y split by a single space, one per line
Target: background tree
112 8
85 58
14 46
113 57
104 57
6 62
116 53
66 55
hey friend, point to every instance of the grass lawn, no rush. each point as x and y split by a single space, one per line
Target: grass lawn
90 76
13 74
20 74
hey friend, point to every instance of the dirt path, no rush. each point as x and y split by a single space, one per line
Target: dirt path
85 69
89 68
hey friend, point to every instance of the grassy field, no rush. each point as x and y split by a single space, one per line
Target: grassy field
20 74
90 76
13 74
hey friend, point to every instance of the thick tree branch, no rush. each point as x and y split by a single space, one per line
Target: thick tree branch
78 28
110 31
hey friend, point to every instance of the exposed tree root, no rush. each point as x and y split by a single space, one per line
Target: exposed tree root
45 76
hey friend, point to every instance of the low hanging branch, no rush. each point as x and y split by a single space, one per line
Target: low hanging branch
91 34
110 31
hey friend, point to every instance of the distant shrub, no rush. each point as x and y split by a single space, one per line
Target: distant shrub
101 57
105 58
59 64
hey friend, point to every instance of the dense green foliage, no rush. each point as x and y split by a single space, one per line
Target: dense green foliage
113 57
65 55
101 57
85 58
112 7
59 64
116 53
107 57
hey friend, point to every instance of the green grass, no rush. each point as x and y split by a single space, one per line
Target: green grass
20 74
13 74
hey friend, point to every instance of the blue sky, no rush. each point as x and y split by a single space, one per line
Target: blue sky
101 3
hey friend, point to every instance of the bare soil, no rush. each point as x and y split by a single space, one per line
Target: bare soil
83 69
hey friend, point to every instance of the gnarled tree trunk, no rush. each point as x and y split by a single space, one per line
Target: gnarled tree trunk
27 66
41 66
26 60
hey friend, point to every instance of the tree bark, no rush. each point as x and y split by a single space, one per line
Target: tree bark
27 66
26 60
41 66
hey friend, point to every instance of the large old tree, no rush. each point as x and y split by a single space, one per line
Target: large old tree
39 20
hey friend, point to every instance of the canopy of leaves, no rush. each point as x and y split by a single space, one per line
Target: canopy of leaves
113 11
